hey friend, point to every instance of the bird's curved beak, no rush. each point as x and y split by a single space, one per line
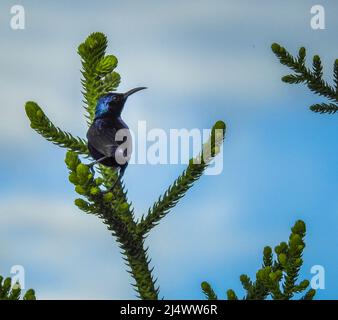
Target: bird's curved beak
132 91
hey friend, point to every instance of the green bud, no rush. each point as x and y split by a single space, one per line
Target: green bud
244 278
124 206
73 178
264 273
316 59
287 79
295 240
31 109
275 47
304 284
281 248
267 251
81 204
106 64
94 191
260 275
231 295
108 196
91 42
310 294
282 259
7 284
30 295
278 249
302 52
205 286
72 160
81 49
80 190
82 170
219 125
299 227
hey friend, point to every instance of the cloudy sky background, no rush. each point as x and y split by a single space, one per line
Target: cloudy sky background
202 61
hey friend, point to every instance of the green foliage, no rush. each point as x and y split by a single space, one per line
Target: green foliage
98 73
113 207
9 292
41 124
208 291
312 78
278 278
185 181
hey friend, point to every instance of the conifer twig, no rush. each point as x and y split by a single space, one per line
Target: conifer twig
185 181
98 72
208 291
42 125
9 292
313 79
278 278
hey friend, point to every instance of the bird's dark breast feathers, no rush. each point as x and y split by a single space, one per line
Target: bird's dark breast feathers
109 162
102 140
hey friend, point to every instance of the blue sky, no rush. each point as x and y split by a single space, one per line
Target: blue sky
202 61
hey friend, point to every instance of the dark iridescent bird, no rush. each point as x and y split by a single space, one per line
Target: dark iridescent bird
109 139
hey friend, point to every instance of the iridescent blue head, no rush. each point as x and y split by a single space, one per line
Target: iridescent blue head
112 104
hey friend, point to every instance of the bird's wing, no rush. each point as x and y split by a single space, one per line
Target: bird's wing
102 138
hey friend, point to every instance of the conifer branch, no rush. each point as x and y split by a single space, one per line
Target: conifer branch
42 125
185 181
312 78
98 73
231 295
9 292
278 278
118 216
208 291
329 108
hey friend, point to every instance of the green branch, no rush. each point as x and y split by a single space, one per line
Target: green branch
185 181
9 292
98 73
208 291
117 215
313 79
42 125
278 278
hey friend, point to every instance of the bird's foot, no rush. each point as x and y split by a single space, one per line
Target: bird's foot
92 164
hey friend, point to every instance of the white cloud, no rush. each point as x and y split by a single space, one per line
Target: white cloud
152 50
66 254
70 255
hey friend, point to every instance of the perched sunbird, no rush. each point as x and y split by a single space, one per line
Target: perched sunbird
109 139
